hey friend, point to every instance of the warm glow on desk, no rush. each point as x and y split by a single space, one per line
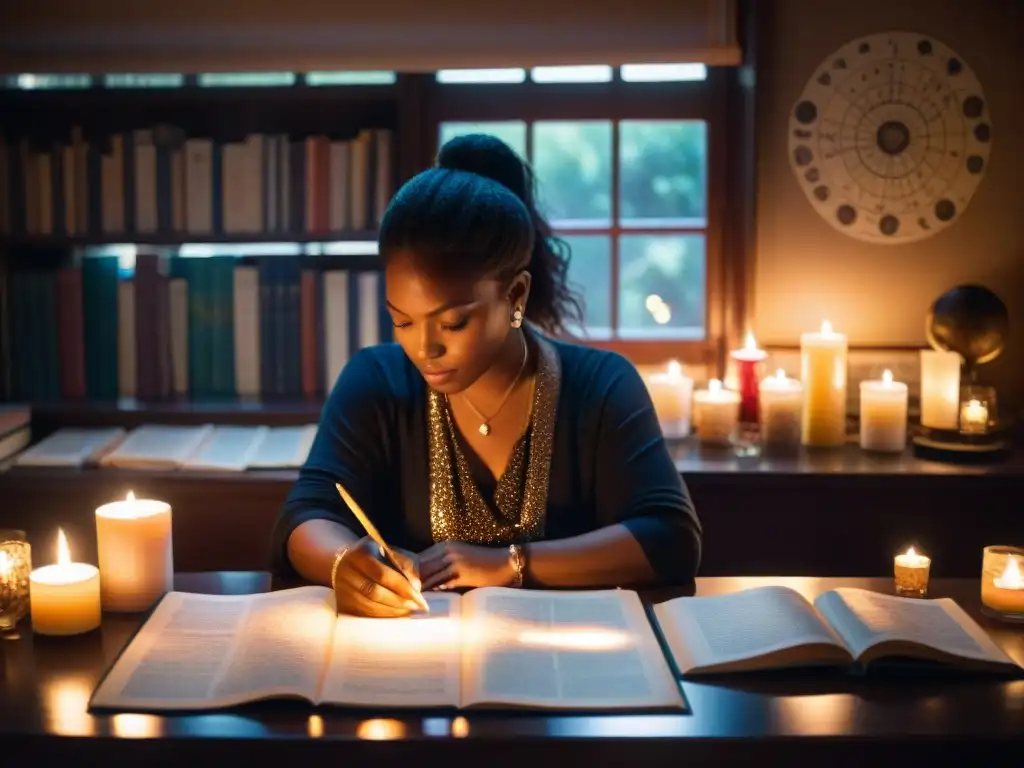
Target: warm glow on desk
814 715
315 726
460 727
66 703
380 729
133 726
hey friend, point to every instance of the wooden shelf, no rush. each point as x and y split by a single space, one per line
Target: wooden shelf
180 238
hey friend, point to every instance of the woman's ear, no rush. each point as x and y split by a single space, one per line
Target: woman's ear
518 295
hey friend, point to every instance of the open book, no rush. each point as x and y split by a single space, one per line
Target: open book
493 647
775 627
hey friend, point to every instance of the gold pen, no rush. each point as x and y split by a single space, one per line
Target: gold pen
374 534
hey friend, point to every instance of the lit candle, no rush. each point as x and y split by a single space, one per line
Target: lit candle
940 389
717 411
823 372
974 416
133 538
883 415
781 399
1002 582
65 598
911 571
671 392
15 566
748 362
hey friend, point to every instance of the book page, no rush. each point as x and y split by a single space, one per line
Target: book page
209 651
407 662
875 625
565 650
759 628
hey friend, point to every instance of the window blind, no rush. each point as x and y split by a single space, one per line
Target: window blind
190 36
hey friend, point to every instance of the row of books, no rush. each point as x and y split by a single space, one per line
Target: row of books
162 447
498 648
158 181
199 328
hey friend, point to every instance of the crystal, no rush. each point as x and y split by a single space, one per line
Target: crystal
485 429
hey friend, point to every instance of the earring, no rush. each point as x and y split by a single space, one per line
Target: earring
517 318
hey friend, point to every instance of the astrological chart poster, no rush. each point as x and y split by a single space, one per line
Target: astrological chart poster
891 138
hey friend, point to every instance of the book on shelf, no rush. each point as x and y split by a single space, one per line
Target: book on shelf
775 627
492 647
72 447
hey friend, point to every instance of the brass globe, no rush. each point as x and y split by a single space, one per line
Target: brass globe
971 320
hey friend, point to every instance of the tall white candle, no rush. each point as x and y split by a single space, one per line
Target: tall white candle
823 372
940 389
883 414
671 392
718 413
64 598
781 400
135 553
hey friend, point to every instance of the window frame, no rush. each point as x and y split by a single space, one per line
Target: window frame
616 100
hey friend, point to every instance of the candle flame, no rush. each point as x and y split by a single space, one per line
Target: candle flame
130 496
911 553
826 327
750 343
887 376
1011 577
674 368
714 385
63 550
780 375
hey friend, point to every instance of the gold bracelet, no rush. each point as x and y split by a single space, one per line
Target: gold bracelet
338 557
516 553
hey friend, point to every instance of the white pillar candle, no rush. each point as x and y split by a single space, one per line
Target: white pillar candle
135 553
780 400
823 372
940 389
64 598
883 414
718 413
671 392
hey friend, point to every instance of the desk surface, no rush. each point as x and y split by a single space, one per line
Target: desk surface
46 684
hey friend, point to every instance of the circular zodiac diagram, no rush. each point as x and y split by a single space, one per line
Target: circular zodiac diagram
890 137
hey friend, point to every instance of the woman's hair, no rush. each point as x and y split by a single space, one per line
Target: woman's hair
475 212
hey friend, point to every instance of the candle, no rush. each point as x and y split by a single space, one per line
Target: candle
748 361
911 570
15 565
65 598
671 392
883 415
781 399
717 411
823 372
133 538
1002 582
974 416
940 389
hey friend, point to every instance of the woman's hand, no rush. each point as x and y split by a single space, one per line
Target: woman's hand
365 586
452 564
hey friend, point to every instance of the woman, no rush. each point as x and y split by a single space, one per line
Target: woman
498 454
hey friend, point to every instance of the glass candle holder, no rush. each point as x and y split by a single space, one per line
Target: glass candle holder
977 409
1002 583
15 567
911 571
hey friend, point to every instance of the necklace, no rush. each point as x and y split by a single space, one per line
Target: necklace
485 421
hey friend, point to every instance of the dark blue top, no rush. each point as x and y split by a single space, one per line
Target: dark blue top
609 462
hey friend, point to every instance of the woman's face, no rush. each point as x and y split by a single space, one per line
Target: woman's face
453 329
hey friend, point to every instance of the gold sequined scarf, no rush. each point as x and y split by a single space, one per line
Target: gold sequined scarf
458 510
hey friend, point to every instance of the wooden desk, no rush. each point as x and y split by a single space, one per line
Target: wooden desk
801 719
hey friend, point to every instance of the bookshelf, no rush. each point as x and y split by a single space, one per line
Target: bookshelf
103 194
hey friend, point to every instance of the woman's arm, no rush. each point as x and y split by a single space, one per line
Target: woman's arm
349 449
650 531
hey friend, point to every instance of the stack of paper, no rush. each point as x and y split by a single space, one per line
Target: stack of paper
72 447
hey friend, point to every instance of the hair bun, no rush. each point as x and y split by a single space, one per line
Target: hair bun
487 156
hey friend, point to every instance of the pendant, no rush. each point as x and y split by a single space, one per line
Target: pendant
485 429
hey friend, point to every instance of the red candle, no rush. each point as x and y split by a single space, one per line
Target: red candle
748 364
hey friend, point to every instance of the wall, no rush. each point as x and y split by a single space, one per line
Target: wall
878 294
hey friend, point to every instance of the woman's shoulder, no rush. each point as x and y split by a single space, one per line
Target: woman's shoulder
379 374
590 374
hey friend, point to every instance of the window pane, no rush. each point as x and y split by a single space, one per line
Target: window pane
590 267
594 73
246 79
663 73
456 76
368 77
573 164
512 132
662 172
661 286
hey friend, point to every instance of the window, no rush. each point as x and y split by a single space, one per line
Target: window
626 186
